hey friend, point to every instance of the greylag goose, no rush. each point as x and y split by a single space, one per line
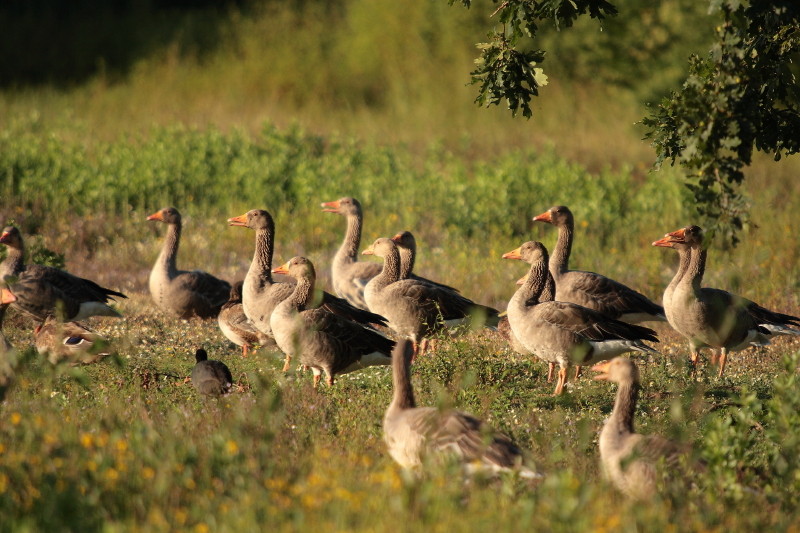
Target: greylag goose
327 343
413 434
39 299
183 293
70 341
504 327
590 289
350 276
7 359
713 318
407 246
631 460
210 377
39 287
235 325
261 294
415 309
6 299
564 332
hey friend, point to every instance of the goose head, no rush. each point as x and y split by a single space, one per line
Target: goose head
297 267
618 370
346 206
255 219
558 215
531 252
381 247
168 215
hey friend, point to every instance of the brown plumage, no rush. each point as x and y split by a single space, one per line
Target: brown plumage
590 289
327 343
70 341
715 318
261 294
43 291
563 332
413 434
407 246
183 293
349 275
235 325
416 309
631 461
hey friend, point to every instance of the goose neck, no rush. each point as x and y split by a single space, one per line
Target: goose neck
403 396
559 261
261 266
406 262
621 420
169 252
352 239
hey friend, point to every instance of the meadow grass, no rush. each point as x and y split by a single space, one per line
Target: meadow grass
292 105
125 444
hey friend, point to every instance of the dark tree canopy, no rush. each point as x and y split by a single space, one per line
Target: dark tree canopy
739 97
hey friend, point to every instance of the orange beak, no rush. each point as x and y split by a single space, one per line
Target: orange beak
7 297
369 251
158 215
283 269
602 367
544 217
397 237
330 207
241 220
675 237
5 237
513 254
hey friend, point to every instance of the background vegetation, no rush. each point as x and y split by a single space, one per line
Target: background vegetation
217 110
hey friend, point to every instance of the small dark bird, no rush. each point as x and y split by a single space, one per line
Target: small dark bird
211 377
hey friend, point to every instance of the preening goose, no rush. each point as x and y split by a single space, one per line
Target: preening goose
713 318
183 293
210 377
70 341
590 289
261 294
327 343
40 288
407 246
563 332
413 434
350 276
235 325
416 309
631 461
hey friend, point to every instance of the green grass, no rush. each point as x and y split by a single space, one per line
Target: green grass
124 444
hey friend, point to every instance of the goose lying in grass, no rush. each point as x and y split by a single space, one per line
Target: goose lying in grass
413 434
631 461
184 293
70 341
43 291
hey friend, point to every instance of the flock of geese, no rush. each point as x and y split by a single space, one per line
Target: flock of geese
563 317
